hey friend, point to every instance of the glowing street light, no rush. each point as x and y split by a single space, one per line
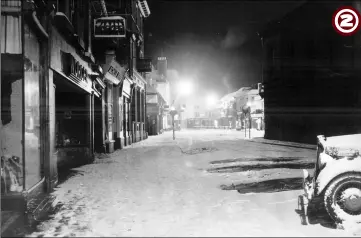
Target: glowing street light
211 100
185 87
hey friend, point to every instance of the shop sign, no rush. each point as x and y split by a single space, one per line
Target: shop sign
73 68
109 27
114 72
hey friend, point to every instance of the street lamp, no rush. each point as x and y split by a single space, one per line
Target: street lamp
246 109
185 87
211 100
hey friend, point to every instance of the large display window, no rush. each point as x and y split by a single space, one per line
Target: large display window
71 119
32 74
11 130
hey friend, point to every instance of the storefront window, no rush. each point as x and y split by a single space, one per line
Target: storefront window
12 173
32 68
71 118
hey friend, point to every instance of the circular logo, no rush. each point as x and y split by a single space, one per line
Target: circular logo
346 21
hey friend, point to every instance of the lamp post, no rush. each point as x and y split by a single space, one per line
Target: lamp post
246 109
173 112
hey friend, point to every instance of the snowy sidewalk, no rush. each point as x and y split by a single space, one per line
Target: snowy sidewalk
158 188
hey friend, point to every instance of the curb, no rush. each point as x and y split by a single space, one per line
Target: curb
290 144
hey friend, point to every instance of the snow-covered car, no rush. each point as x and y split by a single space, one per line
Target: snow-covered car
336 179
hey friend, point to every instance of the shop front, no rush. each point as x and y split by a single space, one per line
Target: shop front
72 102
23 73
113 77
153 114
126 102
73 106
138 108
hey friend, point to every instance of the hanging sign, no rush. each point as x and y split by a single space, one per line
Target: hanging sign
109 27
114 72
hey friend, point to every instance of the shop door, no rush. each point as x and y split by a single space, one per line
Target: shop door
98 125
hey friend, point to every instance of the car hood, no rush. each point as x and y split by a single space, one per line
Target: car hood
345 145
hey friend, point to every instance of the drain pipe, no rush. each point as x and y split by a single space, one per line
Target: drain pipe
38 24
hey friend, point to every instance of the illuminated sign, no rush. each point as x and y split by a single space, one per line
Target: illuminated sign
109 27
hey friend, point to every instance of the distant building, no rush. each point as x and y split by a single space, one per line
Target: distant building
228 111
157 79
155 111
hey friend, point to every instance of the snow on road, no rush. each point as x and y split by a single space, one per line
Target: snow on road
158 188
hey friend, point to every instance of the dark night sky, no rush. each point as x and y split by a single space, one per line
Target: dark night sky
213 41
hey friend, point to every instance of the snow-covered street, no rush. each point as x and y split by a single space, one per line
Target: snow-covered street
197 185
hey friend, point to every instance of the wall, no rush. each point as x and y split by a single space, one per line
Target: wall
59 44
313 86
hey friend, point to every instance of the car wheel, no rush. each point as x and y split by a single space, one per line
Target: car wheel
343 198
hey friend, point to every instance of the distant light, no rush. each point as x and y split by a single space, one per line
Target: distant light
211 100
185 87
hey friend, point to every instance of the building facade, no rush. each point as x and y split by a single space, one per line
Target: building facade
24 157
47 98
155 111
123 56
69 87
250 97
161 83
311 83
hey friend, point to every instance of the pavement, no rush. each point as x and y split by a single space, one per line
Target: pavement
204 183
